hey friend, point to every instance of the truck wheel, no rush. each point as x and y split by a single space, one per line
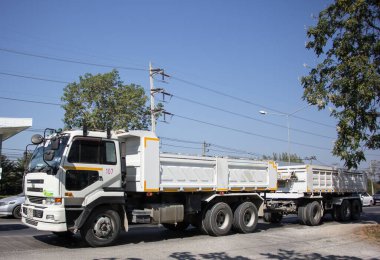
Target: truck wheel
336 213
356 208
272 217
302 215
181 226
218 219
16 213
102 228
345 211
313 213
245 218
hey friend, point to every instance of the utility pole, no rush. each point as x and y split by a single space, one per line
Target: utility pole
204 148
153 91
152 103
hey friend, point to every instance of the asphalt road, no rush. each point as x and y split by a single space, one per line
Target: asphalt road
288 240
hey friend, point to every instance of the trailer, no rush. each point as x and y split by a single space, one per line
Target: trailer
310 191
97 183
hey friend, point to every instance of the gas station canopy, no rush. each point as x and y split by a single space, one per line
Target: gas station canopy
12 126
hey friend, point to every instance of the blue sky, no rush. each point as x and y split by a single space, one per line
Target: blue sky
251 50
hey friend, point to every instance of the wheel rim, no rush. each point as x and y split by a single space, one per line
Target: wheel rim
222 219
103 227
346 212
248 218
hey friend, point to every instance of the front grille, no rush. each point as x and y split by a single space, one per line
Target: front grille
35 181
36 200
31 222
24 210
37 213
34 189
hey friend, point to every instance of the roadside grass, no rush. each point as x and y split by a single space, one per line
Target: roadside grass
372 232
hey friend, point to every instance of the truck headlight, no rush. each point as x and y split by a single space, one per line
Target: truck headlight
53 201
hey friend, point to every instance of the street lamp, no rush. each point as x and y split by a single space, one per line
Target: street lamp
263 112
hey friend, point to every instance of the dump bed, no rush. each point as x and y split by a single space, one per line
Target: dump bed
148 170
319 179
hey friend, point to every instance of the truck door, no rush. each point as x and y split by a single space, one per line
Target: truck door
91 164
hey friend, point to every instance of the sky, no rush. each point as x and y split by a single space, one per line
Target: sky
228 61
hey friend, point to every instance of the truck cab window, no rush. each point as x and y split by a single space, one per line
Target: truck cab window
92 151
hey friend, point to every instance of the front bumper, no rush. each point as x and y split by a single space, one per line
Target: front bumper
44 218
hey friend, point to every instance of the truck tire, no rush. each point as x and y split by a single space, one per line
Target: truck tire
16 213
356 209
245 218
218 219
272 217
313 213
302 215
102 228
336 213
345 211
180 226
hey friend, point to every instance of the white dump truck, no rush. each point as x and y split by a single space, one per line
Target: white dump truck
98 182
310 191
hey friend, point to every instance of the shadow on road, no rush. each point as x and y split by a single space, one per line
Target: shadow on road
11 227
293 255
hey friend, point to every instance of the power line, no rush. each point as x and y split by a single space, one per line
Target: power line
243 100
31 101
248 117
35 78
248 133
70 61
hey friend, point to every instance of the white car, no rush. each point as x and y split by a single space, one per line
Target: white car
367 200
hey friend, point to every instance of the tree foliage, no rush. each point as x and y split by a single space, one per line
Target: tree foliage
347 80
11 179
284 157
103 101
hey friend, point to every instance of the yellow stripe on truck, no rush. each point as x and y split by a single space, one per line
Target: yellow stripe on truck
78 168
146 139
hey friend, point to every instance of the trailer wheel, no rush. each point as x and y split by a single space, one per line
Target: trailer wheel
245 217
356 208
345 211
180 226
102 228
336 213
218 219
313 213
302 215
272 217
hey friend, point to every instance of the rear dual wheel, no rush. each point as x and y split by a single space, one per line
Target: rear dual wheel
310 214
245 217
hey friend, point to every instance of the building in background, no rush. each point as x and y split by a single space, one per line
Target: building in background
10 127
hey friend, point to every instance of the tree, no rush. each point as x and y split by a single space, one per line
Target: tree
11 181
284 157
347 80
103 101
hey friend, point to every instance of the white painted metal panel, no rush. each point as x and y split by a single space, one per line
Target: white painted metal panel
321 179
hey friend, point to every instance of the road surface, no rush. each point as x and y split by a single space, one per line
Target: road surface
288 240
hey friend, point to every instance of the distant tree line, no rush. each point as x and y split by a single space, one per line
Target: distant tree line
294 158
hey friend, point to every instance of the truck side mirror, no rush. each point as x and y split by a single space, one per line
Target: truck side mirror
49 155
37 139
54 143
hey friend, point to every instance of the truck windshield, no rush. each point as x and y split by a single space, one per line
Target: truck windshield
37 163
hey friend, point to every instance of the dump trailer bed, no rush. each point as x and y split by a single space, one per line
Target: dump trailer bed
295 181
147 170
